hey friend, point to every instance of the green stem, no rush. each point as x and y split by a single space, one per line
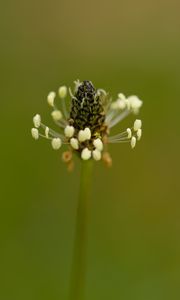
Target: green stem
81 234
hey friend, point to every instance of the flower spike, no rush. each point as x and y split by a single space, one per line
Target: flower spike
85 127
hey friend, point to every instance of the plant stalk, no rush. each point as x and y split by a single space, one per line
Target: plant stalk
78 276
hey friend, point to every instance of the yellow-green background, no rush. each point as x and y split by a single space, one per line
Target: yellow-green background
134 236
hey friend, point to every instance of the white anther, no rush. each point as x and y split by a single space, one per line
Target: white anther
74 143
35 133
56 143
137 125
128 105
37 121
84 135
81 136
88 133
96 154
69 131
62 91
47 132
121 104
98 144
56 115
50 98
115 105
133 142
135 103
121 96
129 132
139 134
86 154
77 84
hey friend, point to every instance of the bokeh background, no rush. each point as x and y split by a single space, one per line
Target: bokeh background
134 235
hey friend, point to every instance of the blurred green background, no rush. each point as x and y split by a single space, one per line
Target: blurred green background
134 236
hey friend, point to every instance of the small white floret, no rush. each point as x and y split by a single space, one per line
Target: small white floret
133 142
74 143
86 154
96 154
50 98
98 144
37 120
139 134
56 115
35 133
56 143
47 132
62 91
69 131
129 132
137 125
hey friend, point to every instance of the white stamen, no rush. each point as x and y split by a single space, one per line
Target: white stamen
98 144
86 154
37 120
96 154
56 115
50 98
129 132
84 135
35 133
62 91
47 132
56 143
137 125
139 134
74 143
69 131
133 142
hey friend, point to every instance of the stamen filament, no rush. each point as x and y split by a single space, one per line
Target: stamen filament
119 118
52 132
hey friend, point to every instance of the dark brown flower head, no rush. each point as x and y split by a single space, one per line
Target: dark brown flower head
87 109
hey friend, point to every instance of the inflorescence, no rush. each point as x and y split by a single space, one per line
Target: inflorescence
85 126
